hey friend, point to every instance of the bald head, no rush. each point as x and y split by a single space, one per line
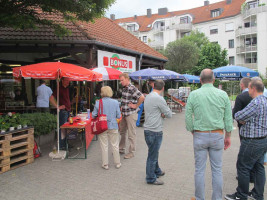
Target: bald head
206 76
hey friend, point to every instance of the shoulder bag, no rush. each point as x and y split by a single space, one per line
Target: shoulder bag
99 124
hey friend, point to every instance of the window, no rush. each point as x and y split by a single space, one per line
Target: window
159 25
185 20
215 13
145 39
231 60
214 42
131 27
213 30
247 24
253 4
229 27
231 44
251 41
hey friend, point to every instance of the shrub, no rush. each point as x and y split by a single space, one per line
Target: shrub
43 123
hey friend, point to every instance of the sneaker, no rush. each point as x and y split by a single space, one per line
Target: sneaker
157 182
231 197
122 151
105 167
118 166
128 156
162 174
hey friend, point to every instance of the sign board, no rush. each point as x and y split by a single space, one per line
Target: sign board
117 61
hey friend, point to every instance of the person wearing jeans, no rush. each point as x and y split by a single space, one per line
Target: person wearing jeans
156 110
253 144
64 106
208 144
208 113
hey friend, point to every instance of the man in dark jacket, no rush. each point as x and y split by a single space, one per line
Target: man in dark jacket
243 99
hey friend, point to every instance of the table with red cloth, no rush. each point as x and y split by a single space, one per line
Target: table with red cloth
85 127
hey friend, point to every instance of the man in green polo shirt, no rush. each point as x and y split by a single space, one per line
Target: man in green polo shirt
208 113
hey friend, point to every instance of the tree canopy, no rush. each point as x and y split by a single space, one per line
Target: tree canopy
182 55
211 56
193 53
25 14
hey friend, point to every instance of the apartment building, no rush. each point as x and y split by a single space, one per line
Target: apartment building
240 26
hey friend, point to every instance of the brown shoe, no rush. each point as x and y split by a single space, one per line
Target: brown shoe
128 156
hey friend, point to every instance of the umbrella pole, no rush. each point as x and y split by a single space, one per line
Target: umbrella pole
58 115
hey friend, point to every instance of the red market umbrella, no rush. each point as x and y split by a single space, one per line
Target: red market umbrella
56 70
108 73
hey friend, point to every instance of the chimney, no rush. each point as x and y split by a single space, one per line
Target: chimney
112 17
162 11
206 3
135 16
228 1
149 12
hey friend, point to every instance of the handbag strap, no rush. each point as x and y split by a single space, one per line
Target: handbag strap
100 110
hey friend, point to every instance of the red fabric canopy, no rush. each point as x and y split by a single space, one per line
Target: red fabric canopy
108 73
53 70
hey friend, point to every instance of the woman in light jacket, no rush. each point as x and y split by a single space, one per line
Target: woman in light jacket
112 110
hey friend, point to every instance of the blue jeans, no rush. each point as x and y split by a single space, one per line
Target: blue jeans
211 144
63 118
251 156
153 141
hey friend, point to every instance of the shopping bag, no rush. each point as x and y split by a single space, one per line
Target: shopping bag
99 124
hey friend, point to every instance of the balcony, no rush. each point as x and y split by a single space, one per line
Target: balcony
253 11
249 65
156 44
156 30
247 49
246 31
182 27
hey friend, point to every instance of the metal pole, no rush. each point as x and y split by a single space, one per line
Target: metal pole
58 114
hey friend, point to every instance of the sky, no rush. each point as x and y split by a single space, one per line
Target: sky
129 8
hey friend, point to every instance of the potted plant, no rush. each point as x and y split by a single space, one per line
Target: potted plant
4 125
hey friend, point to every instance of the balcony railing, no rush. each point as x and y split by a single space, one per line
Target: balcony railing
253 11
246 31
156 44
249 65
246 49
185 27
159 29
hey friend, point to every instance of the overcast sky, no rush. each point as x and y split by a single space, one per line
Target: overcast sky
129 8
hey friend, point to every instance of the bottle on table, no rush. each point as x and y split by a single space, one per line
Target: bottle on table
71 118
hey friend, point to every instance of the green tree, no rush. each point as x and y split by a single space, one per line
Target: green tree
182 55
24 14
198 38
211 56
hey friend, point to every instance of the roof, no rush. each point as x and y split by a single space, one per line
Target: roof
103 30
200 14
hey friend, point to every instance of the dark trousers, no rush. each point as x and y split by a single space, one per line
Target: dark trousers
251 156
153 141
63 118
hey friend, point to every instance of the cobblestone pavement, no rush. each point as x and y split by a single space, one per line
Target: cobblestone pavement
85 179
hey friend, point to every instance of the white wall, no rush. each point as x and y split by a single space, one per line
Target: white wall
262 42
